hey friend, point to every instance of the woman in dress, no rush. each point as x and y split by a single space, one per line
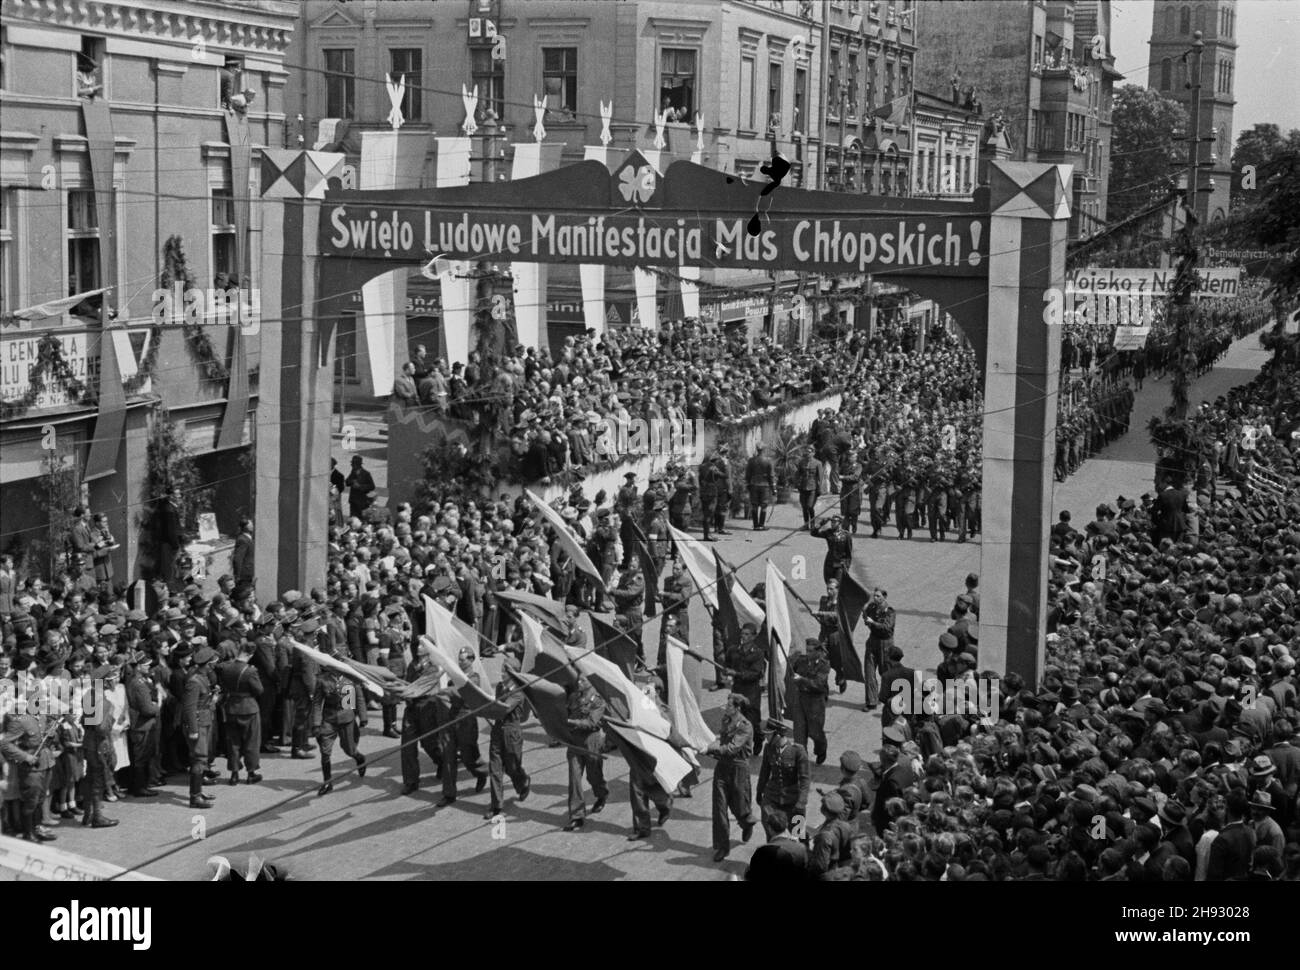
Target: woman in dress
115 694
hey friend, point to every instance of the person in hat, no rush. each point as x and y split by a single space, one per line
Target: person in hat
785 776
1231 850
811 674
586 712
627 504
732 790
657 545
1267 831
241 694
420 723
880 619
643 787
895 774
760 478
839 546
459 735
28 743
715 487
506 740
196 720
336 704
628 597
832 852
145 725
746 667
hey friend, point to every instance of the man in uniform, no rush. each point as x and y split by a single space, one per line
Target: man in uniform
879 618
628 596
731 786
241 692
676 599
832 854
600 547
643 787
937 507
97 746
747 664
302 688
895 775
839 547
811 680
586 710
655 527
143 724
196 720
760 477
828 618
715 489
506 741
785 776
627 505
419 726
29 745
336 705
682 498
460 740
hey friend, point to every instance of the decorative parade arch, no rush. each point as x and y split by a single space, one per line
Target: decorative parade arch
991 264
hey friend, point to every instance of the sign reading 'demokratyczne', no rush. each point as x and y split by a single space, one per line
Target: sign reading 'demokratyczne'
932 244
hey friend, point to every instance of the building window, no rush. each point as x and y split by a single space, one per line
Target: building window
8 251
83 242
677 83
889 80
871 82
833 93
745 118
1169 22
489 76
1200 18
853 83
90 68
408 62
345 348
1181 71
560 79
225 251
1038 52
800 98
1185 20
774 95
1227 89
340 83
904 80
1166 73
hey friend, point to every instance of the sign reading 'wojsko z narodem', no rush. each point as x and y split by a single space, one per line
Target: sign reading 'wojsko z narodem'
694 216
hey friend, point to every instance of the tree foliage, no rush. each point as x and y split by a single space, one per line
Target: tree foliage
1142 149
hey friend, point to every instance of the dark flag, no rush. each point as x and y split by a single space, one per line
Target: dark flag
727 618
614 645
852 601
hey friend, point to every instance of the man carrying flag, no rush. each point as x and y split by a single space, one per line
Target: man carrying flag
643 788
586 710
506 742
879 617
460 739
811 681
731 783
848 608
628 596
747 663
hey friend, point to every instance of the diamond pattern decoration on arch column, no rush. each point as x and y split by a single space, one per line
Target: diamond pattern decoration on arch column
1027 191
291 174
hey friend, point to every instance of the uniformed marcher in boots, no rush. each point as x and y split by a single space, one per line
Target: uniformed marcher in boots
828 619
643 787
732 790
747 663
98 749
628 596
628 507
419 727
506 742
839 546
29 744
760 477
459 741
335 708
785 776
196 720
879 618
586 710
811 680
241 691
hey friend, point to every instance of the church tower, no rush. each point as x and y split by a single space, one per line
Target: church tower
1172 27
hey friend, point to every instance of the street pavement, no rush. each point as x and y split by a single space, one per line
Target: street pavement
366 830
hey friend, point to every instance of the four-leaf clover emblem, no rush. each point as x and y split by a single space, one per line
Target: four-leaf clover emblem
637 185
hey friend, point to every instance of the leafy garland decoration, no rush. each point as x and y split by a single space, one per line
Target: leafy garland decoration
175 268
49 361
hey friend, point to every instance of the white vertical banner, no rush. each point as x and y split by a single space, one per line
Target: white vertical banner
647 306
591 274
691 274
453 168
527 276
389 160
